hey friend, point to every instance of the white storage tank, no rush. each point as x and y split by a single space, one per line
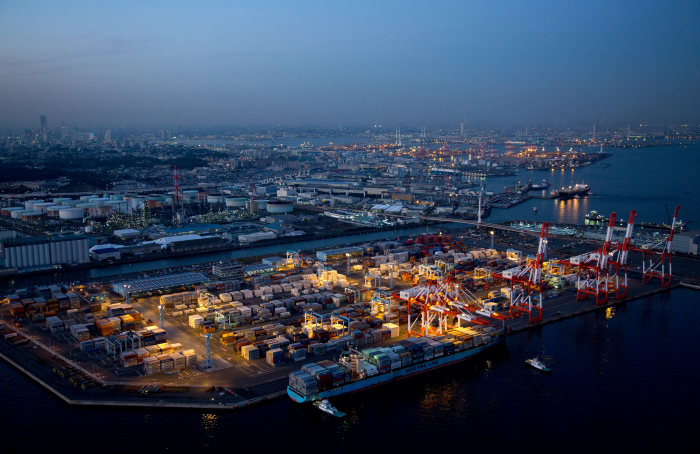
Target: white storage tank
29 204
29 216
42 206
53 210
189 194
9 210
215 198
279 207
61 200
236 202
71 213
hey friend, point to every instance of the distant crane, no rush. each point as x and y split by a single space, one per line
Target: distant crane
177 197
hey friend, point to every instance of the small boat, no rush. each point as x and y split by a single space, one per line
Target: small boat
326 407
537 364
534 209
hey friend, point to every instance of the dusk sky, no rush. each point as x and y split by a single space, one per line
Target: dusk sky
150 63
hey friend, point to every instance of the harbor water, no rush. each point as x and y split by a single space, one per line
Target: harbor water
649 180
623 380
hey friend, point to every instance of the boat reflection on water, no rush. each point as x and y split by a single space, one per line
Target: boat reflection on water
569 211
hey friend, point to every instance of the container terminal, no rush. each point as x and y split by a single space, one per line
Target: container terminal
314 325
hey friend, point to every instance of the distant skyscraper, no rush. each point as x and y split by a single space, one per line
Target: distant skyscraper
44 123
108 136
461 129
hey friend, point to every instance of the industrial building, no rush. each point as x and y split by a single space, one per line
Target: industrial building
36 252
171 281
331 254
686 242
257 236
232 269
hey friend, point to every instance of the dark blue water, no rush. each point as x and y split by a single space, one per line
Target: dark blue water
625 381
642 179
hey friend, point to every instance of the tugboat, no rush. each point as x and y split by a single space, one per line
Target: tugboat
326 407
537 364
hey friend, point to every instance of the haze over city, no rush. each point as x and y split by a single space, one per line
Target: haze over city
96 64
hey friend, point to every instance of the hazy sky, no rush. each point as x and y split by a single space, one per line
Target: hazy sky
199 63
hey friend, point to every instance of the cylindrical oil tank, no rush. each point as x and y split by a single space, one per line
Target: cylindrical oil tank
29 204
71 213
85 198
7 211
42 206
94 210
189 195
212 198
236 202
154 202
279 207
53 210
100 200
30 216
262 204
61 200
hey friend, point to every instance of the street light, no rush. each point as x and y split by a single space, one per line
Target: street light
347 270
491 232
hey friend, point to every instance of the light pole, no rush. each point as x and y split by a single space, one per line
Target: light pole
491 232
126 291
347 268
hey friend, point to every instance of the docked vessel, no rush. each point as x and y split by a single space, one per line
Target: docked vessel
326 407
577 190
537 364
539 186
359 370
594 218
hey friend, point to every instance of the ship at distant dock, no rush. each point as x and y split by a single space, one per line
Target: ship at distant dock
570 192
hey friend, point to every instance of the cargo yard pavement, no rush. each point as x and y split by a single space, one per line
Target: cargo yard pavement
249 384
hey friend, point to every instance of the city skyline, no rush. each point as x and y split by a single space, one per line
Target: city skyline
312 64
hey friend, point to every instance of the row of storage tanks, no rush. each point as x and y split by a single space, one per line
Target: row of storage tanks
95 206
66 208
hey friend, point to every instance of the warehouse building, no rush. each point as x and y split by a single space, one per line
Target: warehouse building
44 251
171 281
334 254
232 269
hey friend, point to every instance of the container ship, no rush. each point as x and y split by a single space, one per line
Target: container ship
359 370
578 190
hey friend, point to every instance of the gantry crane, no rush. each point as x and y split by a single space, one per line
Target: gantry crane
593 269
618 265
529 277
657 263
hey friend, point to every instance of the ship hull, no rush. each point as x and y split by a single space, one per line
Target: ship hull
398 374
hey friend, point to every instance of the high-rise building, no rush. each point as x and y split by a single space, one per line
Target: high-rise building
42 120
